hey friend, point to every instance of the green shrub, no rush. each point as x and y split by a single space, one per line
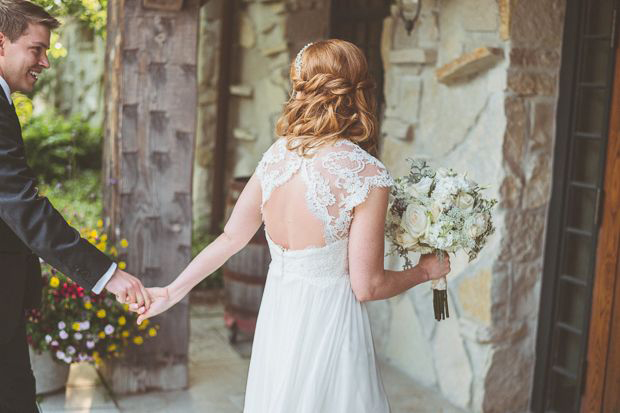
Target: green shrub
58 147
78 199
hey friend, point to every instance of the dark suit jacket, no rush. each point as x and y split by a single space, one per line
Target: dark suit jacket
31 227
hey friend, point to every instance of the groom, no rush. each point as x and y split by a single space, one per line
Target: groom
29 225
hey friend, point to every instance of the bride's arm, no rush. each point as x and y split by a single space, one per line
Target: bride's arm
244 221
369 280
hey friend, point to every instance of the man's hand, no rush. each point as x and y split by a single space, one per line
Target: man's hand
128 289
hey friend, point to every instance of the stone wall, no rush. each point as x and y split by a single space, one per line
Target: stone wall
75 82
208 70
267 36
474 88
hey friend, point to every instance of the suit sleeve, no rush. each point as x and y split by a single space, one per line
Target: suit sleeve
35 221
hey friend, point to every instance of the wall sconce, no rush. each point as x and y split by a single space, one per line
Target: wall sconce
409 12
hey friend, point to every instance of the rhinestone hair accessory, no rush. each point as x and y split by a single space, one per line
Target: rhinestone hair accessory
298 58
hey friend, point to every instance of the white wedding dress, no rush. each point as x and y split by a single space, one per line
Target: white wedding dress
313 350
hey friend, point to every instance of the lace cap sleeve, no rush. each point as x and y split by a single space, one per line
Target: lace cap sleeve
373 175
356 173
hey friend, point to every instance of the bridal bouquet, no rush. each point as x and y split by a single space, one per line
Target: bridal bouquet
438 211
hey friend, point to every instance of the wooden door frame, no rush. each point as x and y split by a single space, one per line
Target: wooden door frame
605 314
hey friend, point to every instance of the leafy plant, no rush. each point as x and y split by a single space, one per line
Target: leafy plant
58 147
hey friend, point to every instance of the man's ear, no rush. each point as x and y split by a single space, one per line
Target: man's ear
3 40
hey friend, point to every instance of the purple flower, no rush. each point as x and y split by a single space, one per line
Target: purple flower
63 335
61 325
90 344
78 336
48 339
109 329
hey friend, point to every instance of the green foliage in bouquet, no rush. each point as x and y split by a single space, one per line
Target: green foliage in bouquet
58 147
75 325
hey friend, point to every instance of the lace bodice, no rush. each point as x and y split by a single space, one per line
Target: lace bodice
336 178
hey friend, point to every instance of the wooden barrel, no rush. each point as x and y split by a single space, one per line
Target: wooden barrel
245 275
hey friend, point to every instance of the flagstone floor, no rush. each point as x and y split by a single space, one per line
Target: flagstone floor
217 379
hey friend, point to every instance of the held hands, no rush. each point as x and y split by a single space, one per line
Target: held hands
434 266
161 301
128 289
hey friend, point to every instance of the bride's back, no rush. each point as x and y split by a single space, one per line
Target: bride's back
309 201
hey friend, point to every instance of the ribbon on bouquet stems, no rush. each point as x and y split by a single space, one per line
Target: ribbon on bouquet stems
440 298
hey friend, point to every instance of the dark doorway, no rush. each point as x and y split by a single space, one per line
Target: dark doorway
574 223
361 23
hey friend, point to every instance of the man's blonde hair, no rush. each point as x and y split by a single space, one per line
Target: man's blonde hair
16 15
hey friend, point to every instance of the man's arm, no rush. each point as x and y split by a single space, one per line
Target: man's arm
35 221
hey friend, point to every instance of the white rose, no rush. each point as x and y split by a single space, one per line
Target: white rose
478 226
415 221
405 240
465 201
422 188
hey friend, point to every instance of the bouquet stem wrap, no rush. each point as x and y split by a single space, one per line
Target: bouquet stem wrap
440 298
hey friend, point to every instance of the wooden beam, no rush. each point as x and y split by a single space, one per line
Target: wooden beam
221 134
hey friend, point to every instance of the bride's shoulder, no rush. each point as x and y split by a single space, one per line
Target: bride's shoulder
351 151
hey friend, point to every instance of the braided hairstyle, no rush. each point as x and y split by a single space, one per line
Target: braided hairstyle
333 98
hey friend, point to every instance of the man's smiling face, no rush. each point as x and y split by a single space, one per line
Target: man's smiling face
23 60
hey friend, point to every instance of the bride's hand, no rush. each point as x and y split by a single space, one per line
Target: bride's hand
160 302
434 266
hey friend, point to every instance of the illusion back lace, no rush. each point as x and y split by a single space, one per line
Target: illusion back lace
308 201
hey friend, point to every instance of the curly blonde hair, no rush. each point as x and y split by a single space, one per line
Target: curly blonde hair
333 98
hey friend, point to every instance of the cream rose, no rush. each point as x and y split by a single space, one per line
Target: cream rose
405 240
478 226
465 201
415 221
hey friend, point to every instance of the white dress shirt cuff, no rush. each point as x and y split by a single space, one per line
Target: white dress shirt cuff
104 280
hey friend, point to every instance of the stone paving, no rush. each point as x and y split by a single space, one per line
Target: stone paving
217 379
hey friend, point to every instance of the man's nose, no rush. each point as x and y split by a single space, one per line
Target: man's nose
44 62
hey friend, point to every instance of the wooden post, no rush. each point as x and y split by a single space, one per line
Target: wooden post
150 117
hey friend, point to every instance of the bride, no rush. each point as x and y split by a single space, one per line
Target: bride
323 199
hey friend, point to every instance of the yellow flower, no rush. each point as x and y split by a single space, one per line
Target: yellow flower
125 334
94 233
101 313
101 334
101 246
143 325
111 347
138 340
76 326
126 307
88 305
113 251
124 243
122 265
100 223
152 332
104 237
122 321
54 282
